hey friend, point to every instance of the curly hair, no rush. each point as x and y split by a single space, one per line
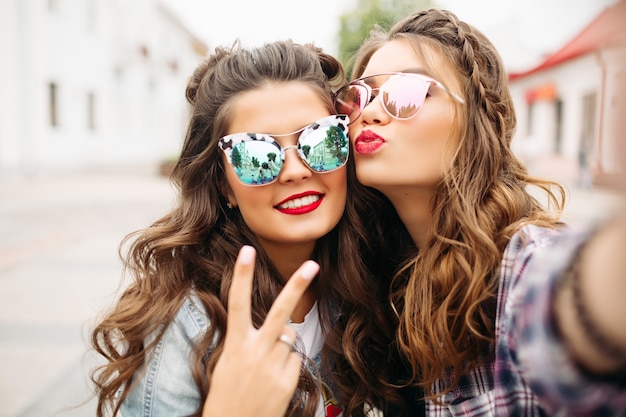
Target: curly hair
445 292
194 247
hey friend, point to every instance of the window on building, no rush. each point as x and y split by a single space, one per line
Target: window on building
589 116
173 64
53 93
91 110
118 73
90 15
588 126
558 126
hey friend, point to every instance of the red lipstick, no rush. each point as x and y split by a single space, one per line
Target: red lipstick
368 142
301 203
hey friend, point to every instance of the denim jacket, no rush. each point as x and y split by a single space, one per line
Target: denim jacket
164 386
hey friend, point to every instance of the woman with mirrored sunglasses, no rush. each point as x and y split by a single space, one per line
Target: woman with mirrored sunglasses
263 166
483 297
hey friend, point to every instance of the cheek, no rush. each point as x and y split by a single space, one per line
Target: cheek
255 207
450 142
250 198
337 181
231 182
240 194
436 134
338 185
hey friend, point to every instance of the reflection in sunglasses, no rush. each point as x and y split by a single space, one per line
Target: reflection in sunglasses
257 158
402 94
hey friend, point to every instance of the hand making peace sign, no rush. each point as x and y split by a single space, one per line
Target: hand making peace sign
258 371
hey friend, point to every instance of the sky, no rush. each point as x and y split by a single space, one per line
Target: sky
254 22
541 26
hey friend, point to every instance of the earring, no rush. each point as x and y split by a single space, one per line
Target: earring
230 206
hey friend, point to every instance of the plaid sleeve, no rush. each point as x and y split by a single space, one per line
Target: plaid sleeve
541 358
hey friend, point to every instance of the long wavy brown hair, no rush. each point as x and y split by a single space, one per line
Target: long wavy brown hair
195 246
445 293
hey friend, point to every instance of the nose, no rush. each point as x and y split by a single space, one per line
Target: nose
374 113
294 168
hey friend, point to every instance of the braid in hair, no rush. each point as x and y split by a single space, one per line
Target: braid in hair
446 293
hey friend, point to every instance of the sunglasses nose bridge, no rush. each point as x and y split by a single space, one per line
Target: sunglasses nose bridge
286 148
300 158
294 166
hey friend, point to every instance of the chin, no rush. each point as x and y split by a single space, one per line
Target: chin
367 177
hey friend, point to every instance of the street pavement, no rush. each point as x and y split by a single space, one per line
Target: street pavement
59 267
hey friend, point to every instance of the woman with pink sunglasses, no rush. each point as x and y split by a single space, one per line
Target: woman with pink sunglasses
498 312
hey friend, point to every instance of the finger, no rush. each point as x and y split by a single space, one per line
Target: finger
240 294
288 299
287 337
287 382
291 372
292 368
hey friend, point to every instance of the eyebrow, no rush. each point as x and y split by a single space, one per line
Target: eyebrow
412 70
417 70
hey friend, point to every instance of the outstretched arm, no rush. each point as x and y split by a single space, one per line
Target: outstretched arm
590 307
258 371
569 332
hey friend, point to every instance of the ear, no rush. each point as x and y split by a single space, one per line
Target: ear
228 195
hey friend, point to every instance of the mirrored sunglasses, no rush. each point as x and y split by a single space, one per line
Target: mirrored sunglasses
401 95
258 159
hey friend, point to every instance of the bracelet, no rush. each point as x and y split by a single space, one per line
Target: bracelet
599 340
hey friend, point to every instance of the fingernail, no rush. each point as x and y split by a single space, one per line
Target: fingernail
308 270
246 255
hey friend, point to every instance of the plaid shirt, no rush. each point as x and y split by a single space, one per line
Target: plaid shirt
531 374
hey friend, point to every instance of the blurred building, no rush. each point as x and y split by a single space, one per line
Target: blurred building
566 105
89 83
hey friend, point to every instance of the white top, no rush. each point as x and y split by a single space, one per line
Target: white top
309 333
310 342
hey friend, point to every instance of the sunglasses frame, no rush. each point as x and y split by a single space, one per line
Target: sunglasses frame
228 143
359 82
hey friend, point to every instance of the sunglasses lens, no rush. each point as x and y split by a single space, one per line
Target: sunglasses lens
256 162
351 100
324 148
403 96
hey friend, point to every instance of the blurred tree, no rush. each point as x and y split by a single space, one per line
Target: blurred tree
235 157
356 24
335 141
